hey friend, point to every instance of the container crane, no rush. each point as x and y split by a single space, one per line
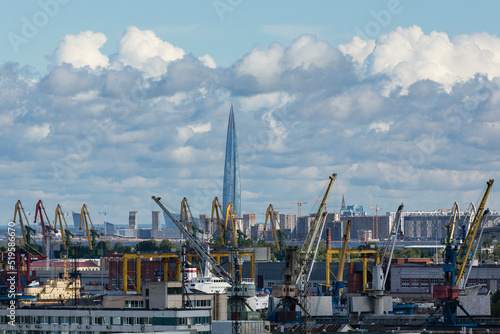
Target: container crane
379 275
454 268
92 234
65 232
298 267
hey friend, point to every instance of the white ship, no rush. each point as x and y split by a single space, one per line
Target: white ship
207 285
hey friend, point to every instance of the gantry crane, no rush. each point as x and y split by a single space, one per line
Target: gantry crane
381 270
65 232
454 268
277 232
47 229
298 268
92 234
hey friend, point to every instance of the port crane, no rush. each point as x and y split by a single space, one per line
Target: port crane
65 232
26 229
47 230
454 269
187 218
338 285
298 267
221 220
277 232
381 270
92 234
238 290
230 218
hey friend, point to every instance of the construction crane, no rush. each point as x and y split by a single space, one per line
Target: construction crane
65 232
298 268
379 275
47 229
299 206
454 268
338 285
92 234
221 220
277 232
26 229
375 227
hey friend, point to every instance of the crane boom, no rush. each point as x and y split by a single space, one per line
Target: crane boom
216 269
306 256
217 209
65 232
91 233
463 253
450 226
26 230
379 276
271 215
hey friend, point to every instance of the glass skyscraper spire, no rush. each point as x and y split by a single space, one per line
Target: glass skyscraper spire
231 192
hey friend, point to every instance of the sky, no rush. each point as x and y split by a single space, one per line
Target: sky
109 103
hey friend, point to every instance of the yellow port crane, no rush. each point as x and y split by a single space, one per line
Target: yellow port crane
339 283
450 226
92 234
186 217
65 232
26 229
277 232
221 220
230 217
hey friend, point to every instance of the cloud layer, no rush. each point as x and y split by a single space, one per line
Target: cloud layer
407 117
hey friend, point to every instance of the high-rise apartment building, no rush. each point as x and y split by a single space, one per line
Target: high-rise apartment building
132 220
231 192
248 222
156 221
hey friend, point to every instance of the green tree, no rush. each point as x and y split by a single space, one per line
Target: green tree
118 247
488 242
167 246
496 251
495 304
147 246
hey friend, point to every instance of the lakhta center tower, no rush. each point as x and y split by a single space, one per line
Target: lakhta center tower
231 192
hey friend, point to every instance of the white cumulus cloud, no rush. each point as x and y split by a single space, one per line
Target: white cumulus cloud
143 50
82 50
37 132
407 55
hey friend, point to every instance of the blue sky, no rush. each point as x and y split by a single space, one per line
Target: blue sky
108 103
